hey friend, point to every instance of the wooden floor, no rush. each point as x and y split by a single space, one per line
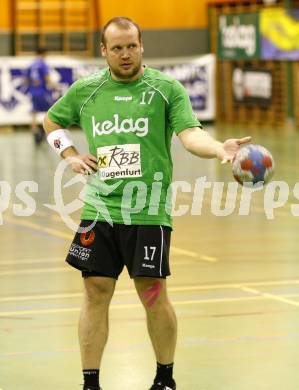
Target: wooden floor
234 284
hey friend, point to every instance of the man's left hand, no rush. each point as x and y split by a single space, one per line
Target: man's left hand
229 148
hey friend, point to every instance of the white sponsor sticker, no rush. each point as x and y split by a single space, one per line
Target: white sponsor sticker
119 161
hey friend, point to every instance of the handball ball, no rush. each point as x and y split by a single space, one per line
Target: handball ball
253 164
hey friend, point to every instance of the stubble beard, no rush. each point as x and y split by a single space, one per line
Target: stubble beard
126 75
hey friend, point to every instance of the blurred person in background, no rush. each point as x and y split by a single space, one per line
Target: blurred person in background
39 88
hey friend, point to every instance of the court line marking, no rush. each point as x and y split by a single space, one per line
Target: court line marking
36 226
268 283
258 209
60 234
61 259
32 271
271 296
41 297
173 252
170 289
209 258
60 269
40 260
184 252
138 305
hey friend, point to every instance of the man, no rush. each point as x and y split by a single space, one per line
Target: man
128 113
38 87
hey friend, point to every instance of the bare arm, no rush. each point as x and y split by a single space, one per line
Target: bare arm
85 164
49 125
49 82
200 143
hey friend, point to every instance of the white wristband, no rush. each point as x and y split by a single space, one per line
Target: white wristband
59 140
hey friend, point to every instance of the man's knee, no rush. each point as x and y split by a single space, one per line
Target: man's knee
152 292
99 289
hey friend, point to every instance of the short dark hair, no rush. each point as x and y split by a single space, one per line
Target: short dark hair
41 50
122 22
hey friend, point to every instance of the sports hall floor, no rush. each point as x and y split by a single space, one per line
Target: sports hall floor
234 284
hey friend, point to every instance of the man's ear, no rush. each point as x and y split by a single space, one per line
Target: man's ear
142 49
103 50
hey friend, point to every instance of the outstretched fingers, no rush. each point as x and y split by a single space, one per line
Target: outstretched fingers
243 140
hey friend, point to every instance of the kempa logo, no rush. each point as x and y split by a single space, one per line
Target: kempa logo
140 126
123 98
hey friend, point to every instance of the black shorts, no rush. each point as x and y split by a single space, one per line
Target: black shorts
106 249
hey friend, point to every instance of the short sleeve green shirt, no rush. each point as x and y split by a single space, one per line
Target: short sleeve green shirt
129 127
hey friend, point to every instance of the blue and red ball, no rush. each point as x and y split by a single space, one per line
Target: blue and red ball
253 164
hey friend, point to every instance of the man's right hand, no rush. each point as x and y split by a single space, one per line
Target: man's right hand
85 164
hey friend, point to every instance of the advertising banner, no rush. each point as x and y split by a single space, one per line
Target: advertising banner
238 36
197 75
15 103
252 86
279 34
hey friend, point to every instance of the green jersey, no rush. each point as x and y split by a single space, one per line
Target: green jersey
128 127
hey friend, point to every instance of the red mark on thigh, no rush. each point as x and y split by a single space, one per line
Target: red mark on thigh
152 293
